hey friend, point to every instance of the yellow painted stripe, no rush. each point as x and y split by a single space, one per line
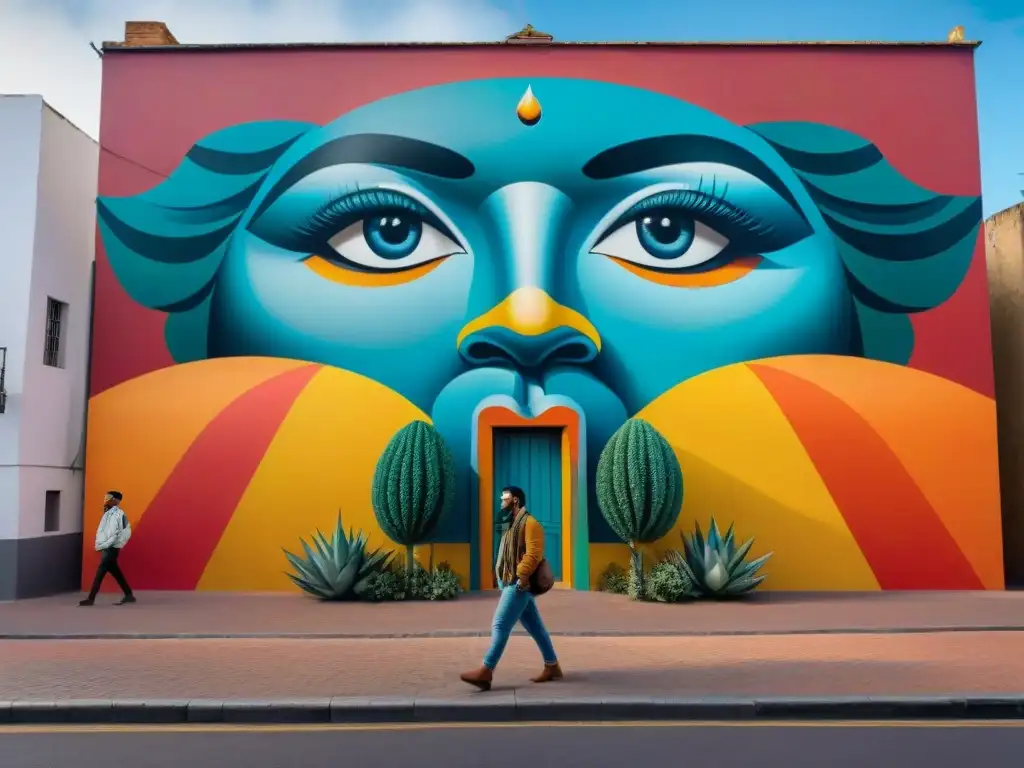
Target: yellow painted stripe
742 462
320 461
312 728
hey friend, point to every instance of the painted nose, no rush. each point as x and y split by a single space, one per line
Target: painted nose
530 330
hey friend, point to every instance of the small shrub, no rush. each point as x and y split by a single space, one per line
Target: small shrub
386 586
396 584
667 584
418 582
614 580
444 583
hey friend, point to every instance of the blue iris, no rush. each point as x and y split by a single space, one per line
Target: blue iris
665 233
393 234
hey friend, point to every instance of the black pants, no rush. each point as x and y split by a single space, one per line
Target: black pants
108 564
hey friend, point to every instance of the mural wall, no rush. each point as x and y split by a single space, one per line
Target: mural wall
781 278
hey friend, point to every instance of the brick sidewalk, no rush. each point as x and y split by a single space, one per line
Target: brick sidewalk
806 665
565 612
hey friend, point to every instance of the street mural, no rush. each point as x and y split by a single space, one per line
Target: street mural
517 251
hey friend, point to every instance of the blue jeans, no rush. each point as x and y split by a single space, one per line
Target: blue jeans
515 606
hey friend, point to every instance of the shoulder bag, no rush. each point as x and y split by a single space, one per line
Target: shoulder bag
543 578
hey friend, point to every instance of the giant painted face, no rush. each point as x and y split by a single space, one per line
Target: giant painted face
468 239
620 245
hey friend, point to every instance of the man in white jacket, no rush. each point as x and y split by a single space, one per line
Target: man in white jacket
111 535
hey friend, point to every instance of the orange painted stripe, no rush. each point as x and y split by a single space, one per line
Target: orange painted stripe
336 274
741 267
944 435
185 522
902 538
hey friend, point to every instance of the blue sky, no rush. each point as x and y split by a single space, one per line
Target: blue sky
999 24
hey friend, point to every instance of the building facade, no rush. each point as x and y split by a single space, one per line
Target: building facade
305 248
47 215
1004 247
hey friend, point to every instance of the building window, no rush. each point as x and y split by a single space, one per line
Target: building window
51 518
56 320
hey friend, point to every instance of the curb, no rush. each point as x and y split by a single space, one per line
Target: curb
459 633
502 707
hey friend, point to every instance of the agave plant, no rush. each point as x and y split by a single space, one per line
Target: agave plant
339 568
717 567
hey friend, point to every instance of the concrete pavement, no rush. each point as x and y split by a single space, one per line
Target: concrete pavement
804 665
797 745
179 657
929 675
186 614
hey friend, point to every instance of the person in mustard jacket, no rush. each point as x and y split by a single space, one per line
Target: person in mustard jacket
519 553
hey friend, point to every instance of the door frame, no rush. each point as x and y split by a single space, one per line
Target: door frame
499 417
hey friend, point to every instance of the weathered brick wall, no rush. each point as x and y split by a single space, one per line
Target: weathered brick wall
142 33
1004 246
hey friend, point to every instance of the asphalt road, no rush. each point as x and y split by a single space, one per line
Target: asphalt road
794 745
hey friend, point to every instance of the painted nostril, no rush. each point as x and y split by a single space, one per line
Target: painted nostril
482 352
501 346
575 352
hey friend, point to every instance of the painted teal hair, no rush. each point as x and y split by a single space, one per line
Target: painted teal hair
166 244
905 249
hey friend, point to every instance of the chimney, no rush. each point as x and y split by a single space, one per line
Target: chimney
147 33
529 36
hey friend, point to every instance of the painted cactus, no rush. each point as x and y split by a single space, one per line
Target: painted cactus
413 485
639 489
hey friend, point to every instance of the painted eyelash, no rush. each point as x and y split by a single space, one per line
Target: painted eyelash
710 202
338 213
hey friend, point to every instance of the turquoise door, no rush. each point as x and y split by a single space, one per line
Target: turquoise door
532 460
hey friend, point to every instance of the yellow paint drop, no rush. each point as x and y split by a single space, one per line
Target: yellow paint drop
529 110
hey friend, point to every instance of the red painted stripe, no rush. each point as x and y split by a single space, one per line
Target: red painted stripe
904 541
184 523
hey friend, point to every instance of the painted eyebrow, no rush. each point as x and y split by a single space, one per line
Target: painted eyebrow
659 151
375 149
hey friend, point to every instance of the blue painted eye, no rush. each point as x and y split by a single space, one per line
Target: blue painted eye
391 239
665 233
393 234
663 238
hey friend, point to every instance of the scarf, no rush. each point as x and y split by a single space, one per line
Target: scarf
512 549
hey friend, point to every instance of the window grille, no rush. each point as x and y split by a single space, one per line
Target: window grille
3 372
53 351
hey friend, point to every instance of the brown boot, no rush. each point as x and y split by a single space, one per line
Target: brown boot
551 672
481 678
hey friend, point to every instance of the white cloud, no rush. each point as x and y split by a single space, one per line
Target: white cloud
45 43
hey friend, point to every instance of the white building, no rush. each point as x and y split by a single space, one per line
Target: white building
48 174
